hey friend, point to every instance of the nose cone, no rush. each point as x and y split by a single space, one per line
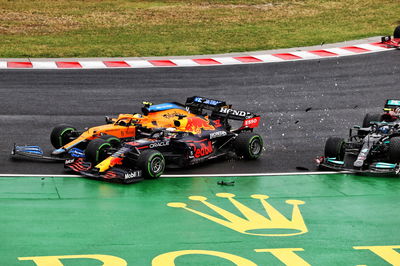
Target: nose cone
104 165
358 163
58 151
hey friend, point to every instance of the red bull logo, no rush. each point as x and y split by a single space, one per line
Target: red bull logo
202 149
194 124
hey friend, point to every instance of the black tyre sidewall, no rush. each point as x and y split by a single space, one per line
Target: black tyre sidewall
396 33
114 141
243 143
255 138
368 118
96 150
59 135
334 148
145 161
394 150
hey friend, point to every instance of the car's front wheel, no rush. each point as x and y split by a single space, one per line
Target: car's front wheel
334 148
152 163
61 135
96 150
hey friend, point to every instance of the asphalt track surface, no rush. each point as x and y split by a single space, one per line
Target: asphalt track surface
301 104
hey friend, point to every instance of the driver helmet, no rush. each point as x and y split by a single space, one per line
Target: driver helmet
384 129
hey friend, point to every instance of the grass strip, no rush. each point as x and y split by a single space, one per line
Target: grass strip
93 28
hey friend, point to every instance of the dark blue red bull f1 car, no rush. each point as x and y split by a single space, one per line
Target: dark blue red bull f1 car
203 135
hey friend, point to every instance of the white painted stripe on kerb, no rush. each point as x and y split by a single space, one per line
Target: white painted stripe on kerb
44 65
3 64
371 47
184 62
226 60
340 51
139 63
268 58
92 64
198 175
306 55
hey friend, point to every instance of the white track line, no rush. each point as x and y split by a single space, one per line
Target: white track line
198 175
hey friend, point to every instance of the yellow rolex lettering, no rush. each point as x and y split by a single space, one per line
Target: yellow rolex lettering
387 253
286 255
107 260
168 259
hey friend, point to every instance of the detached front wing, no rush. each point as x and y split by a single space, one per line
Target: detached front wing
391 42
33 152
114 174
374 169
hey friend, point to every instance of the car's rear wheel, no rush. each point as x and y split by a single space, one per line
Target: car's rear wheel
394 150
334 148
96 151
152 163
248 145
61 135
368 118
396 33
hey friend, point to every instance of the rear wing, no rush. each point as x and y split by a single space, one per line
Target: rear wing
196 104
222 111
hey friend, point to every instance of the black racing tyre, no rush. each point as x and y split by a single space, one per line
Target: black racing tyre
396 33
113 140
368 118
61 135
152 163
96 150
394 150
334 148
248 145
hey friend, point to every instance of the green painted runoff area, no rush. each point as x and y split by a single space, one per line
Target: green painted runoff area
59 216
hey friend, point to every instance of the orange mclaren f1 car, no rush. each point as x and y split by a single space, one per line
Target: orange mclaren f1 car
69 142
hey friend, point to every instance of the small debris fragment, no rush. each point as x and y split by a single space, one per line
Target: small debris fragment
297 121
301 168
223 183
308 109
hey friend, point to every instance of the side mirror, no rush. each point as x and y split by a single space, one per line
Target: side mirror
386 39
108 120
122 123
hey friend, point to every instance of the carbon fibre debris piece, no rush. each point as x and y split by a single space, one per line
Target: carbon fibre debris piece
301 168
223 183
